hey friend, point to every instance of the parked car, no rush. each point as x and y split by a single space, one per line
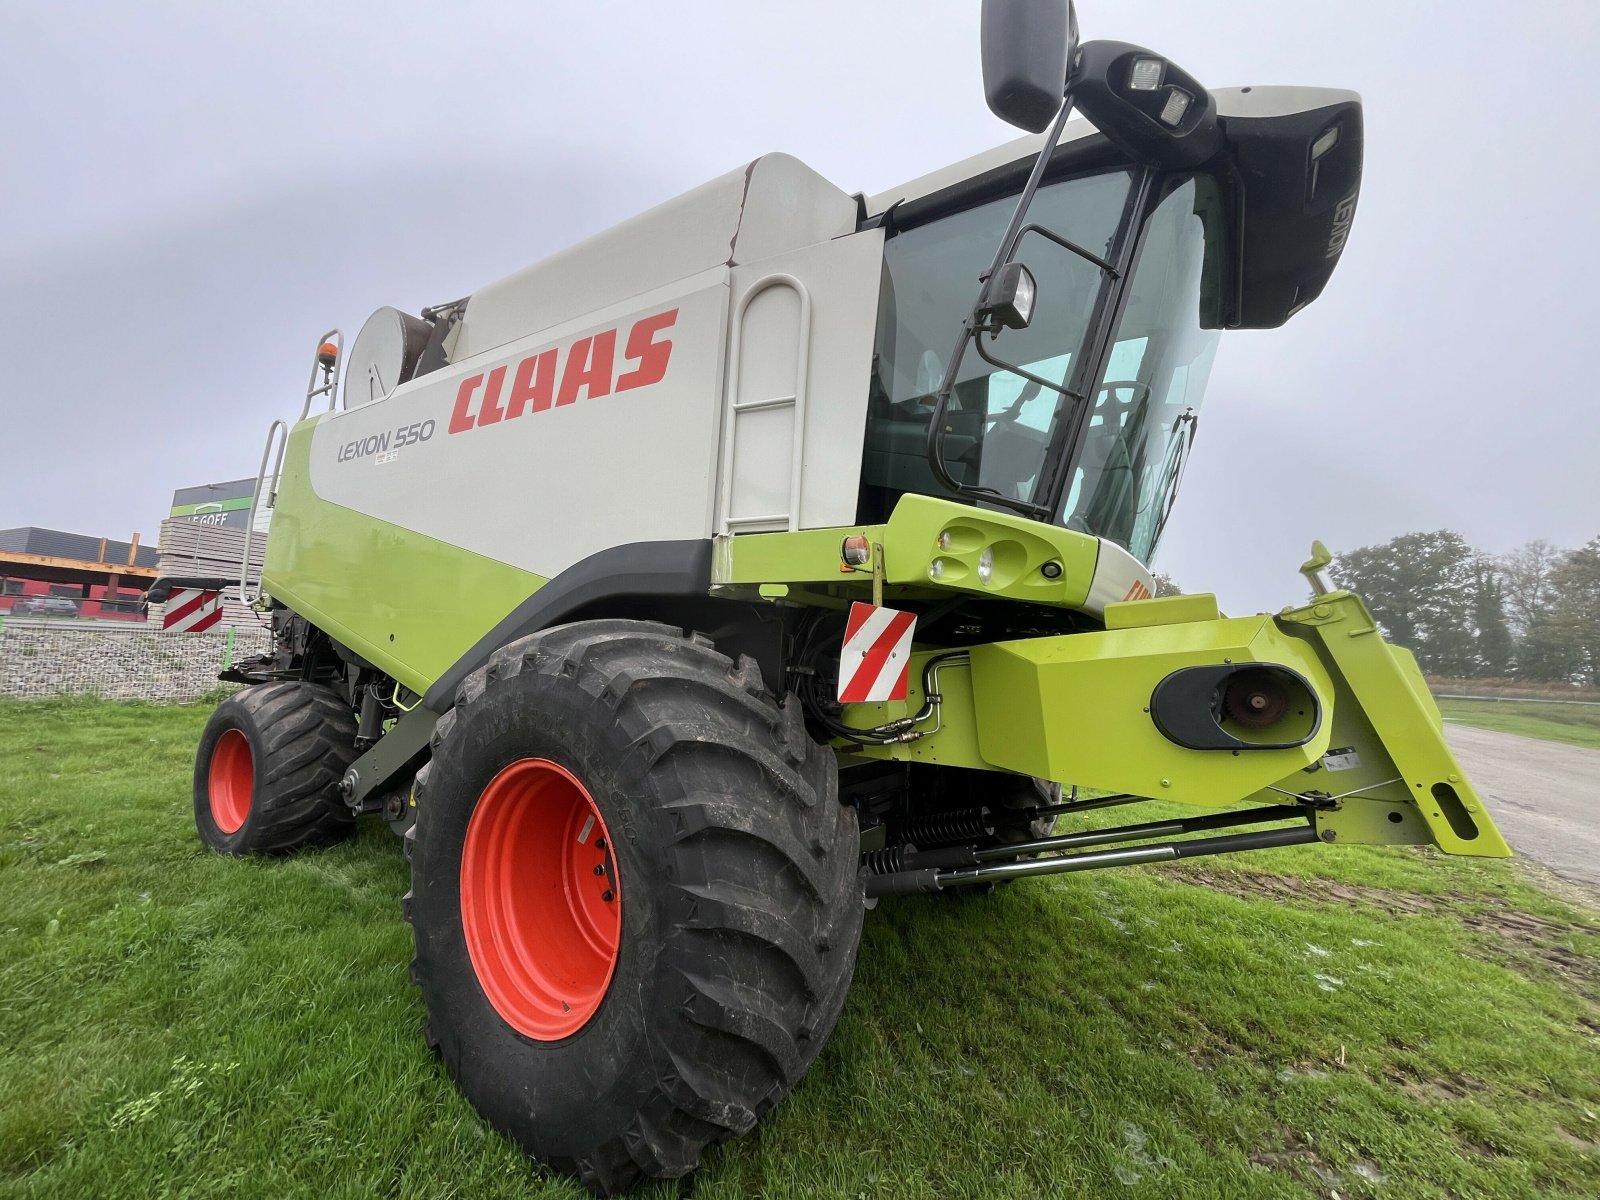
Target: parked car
44 606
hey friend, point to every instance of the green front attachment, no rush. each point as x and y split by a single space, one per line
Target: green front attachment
1370 759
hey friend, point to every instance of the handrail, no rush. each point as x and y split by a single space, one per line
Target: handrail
330 384
273 430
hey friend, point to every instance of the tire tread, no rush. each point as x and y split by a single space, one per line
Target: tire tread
759 993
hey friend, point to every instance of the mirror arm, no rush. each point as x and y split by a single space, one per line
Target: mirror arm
1072 246
1013 369
1002 255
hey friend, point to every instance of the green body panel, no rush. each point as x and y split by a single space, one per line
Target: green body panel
1163 610
1075 709
409 604
1382 685
955 744
910 541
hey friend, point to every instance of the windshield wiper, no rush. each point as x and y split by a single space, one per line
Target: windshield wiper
1178 457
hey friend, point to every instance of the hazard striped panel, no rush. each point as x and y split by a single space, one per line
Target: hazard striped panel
189 610
876 659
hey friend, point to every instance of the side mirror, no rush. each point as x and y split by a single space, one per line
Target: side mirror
1027 48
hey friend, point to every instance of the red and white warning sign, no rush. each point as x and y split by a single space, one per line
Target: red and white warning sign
189 610
875 662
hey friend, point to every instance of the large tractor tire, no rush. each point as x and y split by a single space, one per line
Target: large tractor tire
634 897
266 778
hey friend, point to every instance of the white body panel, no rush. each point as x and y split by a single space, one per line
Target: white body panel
1118 576
612 450
831 291
549 487
773 205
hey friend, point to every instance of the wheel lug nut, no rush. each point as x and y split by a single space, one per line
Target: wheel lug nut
607 895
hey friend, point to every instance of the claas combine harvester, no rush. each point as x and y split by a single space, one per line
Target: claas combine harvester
782 549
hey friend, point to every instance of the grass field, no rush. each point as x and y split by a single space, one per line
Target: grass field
1294 1023
1575 724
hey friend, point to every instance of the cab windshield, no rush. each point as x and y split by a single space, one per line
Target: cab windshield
1128 435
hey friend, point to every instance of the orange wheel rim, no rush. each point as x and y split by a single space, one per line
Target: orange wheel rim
541 905
232 781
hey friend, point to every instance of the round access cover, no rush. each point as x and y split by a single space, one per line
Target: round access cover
384 355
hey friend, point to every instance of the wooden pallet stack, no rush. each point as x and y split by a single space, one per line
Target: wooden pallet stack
196 551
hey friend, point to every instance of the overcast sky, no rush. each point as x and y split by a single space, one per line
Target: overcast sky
191 192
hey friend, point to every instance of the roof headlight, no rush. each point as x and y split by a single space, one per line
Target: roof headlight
1178 101
1145 74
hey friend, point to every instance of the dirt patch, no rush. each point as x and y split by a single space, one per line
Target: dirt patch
1299 1160
1511 938
1587 1145
1296 1158
1519 940
1255 885
1433 1089
1578 894
1212 1049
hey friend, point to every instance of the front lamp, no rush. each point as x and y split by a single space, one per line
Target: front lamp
1145 74
1177 105
1008 300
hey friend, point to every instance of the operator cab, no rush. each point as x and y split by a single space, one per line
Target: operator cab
1080 408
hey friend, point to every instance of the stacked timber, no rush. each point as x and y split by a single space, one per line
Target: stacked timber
195 551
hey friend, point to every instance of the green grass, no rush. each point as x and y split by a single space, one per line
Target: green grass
1575 724
1289 1024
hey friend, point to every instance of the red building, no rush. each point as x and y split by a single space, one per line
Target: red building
97 577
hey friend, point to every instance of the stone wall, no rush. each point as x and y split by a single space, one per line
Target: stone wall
40 659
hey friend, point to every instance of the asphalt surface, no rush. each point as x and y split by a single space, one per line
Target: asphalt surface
1545 796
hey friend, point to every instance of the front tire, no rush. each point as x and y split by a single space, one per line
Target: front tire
266 776
618 1038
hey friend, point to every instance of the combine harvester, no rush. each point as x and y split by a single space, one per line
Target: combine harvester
782 548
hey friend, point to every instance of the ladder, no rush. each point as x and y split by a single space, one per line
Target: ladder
739 407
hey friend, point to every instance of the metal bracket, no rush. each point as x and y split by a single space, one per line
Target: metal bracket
1313 567
393 753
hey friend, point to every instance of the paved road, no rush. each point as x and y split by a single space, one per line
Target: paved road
1545 796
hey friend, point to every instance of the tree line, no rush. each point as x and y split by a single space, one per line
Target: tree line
1531 614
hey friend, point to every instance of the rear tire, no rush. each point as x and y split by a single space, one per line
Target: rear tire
699 995
266 777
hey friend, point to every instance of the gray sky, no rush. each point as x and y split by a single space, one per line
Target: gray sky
191 192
